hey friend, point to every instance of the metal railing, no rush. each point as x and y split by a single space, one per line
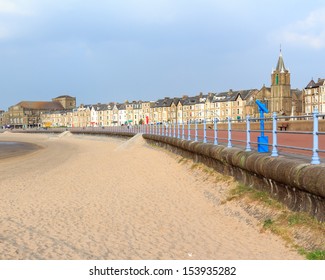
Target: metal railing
221 132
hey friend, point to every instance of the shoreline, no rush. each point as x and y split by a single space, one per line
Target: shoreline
10 149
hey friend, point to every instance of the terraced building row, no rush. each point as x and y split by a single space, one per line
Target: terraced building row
279 97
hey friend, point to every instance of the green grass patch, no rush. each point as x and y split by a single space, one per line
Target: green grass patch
298 219
239 190
254 195
285 223
316 255
267 223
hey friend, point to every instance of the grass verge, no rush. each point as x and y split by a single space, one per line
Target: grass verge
298 229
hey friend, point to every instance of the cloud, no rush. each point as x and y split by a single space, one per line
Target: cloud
8 7
13 15
14 7
309 32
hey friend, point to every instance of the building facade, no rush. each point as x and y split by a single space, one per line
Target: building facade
314 96
281 100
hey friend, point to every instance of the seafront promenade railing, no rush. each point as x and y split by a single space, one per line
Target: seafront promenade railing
241 133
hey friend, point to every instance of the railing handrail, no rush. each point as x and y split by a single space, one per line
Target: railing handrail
191 131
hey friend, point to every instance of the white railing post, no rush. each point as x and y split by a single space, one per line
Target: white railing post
315 158
215 129
178 134
183 131
274 136
248 133
229 133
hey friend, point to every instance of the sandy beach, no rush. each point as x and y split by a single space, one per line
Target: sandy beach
87 197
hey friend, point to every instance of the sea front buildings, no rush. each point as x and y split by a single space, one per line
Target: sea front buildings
235 104
31 113
314 96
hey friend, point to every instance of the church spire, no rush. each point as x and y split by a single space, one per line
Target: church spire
280 66
281 99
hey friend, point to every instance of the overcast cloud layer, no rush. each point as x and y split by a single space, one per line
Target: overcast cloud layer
105 50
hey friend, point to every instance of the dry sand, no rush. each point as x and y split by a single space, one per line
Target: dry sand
84 197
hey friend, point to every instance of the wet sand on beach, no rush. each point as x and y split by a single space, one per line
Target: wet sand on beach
87 197
11 149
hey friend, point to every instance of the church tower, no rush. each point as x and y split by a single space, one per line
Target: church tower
281 100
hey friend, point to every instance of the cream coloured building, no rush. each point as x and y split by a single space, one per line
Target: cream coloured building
314 96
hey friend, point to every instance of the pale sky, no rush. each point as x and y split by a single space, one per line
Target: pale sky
105 50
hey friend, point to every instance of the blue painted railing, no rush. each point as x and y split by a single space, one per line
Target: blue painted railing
185 131
215 133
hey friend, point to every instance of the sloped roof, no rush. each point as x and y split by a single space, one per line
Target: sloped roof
166 102
311 84
190 100
320 82
41 105
244 94
100 107
110 105
121 106
64 96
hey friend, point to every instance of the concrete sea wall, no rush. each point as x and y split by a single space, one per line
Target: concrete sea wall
299 185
